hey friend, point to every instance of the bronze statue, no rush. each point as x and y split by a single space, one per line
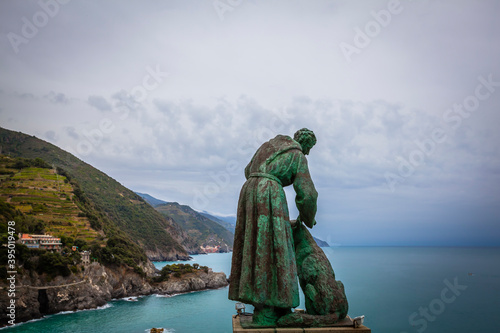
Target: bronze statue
268 248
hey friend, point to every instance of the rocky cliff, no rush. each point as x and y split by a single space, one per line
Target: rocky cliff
36 296
159 255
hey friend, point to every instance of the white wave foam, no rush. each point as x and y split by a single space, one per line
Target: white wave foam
166 295
105 306
24 322
177 294
128 299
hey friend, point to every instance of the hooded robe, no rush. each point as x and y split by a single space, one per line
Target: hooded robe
263 270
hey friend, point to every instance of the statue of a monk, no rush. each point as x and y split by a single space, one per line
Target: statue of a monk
264 271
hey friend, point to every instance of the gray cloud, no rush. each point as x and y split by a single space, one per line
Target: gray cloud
99 102
51 136
268 68
71 132
57 98
125 102
27 96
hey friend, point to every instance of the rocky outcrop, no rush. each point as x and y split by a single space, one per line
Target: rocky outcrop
192 282
148 267
166 256
35 296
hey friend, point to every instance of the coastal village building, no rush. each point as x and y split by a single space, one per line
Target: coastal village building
210 249
44 242
86 258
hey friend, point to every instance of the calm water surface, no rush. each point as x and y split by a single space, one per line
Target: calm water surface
397 289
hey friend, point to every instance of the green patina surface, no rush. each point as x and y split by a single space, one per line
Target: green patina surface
269 257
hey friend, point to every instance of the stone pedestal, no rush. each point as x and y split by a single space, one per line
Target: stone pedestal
341 328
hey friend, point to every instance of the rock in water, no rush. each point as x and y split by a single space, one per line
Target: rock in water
325 298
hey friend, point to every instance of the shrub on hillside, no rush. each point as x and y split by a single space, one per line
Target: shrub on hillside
53 264
21 163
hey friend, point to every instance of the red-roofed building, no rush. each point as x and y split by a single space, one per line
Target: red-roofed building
44 242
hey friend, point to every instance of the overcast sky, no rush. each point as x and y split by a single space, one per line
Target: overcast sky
172 98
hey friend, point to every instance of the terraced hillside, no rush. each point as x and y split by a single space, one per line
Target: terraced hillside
110 207
47 196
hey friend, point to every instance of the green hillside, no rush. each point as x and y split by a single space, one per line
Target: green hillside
150 199
203 230
41 200
120 211
40 192
227 225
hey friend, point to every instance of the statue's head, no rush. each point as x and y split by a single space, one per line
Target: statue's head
306 139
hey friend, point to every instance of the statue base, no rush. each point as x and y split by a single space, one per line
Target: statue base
343 326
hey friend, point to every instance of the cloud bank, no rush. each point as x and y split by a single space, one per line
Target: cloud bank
173 98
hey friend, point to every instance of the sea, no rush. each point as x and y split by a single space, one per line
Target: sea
397 289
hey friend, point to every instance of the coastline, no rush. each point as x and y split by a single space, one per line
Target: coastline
103 284
107 305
